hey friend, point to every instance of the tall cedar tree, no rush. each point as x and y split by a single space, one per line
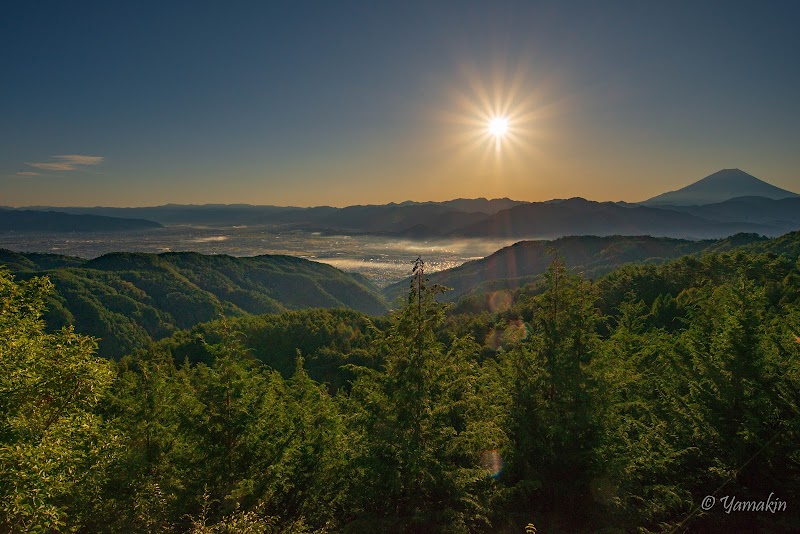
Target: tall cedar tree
421 427
552 421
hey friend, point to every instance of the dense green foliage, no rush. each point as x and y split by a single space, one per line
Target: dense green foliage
126 300
328 340
54 448
611 405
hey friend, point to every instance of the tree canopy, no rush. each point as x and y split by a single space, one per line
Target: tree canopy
571 405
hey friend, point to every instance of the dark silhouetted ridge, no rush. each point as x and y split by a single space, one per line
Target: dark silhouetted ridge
55 221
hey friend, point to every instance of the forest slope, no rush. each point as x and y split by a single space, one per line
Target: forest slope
522 262
128 299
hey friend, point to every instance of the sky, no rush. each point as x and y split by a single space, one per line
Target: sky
339 103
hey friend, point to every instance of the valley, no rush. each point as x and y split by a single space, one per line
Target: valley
384 260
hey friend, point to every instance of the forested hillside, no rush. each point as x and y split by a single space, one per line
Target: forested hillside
127 300
616 404
522 263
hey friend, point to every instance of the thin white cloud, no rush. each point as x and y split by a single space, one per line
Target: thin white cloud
28 173
76 159
52 166
68 162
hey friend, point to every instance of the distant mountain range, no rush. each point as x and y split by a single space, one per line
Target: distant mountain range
577 216
238 214
722 204
718 187
54 221
783 213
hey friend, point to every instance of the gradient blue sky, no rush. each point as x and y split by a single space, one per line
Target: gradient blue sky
310 103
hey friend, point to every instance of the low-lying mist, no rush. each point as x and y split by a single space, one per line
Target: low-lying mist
382 259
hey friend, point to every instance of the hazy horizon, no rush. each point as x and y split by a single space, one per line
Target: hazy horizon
396 202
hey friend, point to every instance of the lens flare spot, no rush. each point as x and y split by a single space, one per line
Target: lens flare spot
500 301
603 490
494 339
516 331
492 462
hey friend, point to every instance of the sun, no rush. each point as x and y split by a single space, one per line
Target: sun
496 116
498 127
